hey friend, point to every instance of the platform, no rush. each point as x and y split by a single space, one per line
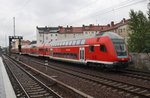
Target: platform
6 90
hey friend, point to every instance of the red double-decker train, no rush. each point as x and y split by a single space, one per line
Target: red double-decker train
108 51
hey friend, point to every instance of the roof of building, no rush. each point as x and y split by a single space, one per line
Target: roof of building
48 29
33 42
113 26
92 27
70 29
25 41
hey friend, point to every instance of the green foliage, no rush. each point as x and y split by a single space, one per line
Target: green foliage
139 25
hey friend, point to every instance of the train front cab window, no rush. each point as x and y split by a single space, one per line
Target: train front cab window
103 48
120 47
91 48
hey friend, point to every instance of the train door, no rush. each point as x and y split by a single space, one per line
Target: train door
82 54
51 52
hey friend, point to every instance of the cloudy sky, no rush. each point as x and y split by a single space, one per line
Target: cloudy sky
32 13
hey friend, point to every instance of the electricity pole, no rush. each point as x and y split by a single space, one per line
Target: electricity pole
14 25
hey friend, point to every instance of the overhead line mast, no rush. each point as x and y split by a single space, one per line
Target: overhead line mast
14 25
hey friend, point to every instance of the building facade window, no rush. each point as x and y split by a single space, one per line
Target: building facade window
46 37
73 35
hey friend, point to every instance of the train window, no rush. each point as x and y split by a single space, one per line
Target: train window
82 42
64 55
67 43
74 42
70 42
46 49
53 44
63 43
91 48
75 56
102 48
78 42
60 43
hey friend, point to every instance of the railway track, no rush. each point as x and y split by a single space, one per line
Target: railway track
128 72
30 87
136 74
123 87
67 89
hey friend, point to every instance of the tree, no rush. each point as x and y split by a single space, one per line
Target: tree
139 25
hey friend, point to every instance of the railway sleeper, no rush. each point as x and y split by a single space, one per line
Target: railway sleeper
136 89
40 96
143 91
34 88
123 86
38 90
148 94
129 88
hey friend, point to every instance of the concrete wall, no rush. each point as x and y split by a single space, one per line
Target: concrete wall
140 61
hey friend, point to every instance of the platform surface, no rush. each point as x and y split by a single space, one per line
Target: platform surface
6 90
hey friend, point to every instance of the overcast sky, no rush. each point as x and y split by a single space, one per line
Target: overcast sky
32 13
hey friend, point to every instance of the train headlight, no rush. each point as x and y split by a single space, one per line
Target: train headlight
122 59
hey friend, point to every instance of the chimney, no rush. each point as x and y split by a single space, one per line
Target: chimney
60 26
112 23
90 25
67 26
124 20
